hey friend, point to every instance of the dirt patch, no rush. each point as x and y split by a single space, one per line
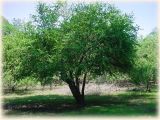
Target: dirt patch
90 89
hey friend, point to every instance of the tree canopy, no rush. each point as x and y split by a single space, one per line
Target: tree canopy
95 39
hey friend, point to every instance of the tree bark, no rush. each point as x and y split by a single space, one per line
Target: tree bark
77 83
148 89
83 85
51 86
75 88
13 89
76 93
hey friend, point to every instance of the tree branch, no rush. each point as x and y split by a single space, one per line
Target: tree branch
83 85
77 83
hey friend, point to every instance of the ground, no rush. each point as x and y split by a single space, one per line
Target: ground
59 102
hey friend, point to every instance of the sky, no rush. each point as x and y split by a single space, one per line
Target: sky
145 13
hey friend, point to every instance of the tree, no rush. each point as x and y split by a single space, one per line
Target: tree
7 28
145 68
15 45
95 39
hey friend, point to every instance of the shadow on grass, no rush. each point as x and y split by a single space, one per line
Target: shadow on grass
115 105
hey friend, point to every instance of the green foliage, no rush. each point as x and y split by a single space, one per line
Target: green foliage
41 55
27 82
145 68
117 77
97 38
7 28
8 81
15 46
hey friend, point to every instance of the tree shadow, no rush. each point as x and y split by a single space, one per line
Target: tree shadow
121 104
53 103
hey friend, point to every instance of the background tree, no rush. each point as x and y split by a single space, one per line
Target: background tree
145 68
7 28
15 45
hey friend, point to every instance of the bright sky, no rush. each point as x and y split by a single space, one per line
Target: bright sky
145 12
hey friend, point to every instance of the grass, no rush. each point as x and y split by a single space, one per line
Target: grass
124 104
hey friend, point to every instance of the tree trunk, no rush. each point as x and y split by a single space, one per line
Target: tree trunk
26 88
75 89
51 86
43 87
13 89
148 89
83 85
76 94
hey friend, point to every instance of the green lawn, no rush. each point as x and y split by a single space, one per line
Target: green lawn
124 104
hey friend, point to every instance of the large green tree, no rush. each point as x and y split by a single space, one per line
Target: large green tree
94 39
